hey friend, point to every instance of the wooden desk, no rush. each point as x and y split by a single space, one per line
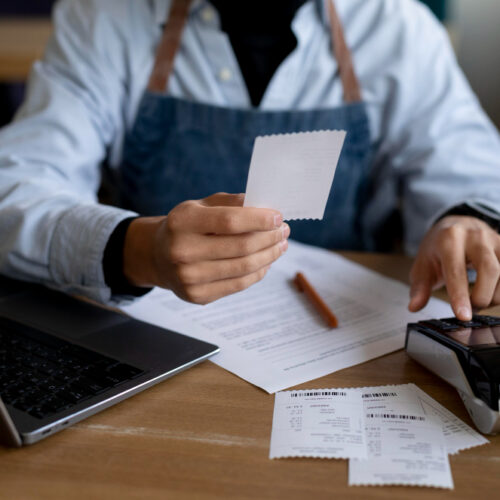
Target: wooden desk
204 434
22 42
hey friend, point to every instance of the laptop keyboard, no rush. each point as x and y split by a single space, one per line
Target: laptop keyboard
42 374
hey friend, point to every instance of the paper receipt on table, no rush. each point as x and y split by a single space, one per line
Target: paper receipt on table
325 423
405 450
457 434
405 446
393 435
293 173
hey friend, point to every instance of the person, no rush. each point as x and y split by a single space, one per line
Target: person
170 95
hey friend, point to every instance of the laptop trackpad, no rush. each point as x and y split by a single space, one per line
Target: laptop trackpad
144 345
59 314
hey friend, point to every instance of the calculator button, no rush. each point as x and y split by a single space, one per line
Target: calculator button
440 325
487 320
464 324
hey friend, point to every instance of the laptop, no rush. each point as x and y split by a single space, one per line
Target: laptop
63 359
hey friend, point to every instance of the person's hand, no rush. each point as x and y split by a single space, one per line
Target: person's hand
451 246
205 249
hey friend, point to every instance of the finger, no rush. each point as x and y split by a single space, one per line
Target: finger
227 220
226 247
455 276
205 293
496 296
224 200
210 271
422 280
190 248
485 262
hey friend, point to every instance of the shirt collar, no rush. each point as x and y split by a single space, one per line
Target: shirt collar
161 8
321 8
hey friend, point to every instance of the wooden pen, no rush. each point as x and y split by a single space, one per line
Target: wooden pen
304 286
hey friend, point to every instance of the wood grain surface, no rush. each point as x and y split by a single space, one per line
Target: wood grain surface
204 434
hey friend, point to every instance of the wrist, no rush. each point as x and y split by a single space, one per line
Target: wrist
139 251
478 211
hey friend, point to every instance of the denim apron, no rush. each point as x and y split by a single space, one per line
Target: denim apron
179 150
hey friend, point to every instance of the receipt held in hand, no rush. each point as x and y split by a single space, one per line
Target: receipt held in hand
293 173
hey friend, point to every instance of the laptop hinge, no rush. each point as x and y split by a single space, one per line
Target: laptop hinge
8 432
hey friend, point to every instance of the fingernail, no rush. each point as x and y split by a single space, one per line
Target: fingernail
284 245
278 220
465 313
285 231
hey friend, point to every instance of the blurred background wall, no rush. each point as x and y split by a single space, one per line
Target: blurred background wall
477 28
474 25
11 94
26 7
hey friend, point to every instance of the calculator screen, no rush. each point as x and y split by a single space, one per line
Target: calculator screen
488 335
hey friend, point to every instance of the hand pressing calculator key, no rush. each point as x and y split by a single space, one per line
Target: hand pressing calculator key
467 355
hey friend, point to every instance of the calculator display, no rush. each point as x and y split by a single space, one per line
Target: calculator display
484 336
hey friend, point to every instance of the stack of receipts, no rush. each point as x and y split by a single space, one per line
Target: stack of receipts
393 435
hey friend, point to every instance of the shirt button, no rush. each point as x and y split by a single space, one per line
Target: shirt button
207 14
225 74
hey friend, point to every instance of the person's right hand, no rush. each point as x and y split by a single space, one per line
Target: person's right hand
205 249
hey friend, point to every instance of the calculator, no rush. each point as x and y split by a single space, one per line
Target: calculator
467 355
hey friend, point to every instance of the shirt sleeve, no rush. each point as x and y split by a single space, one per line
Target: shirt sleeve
476 210
53 230
439 149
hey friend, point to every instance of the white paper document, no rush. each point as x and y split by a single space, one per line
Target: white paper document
404 446
293 173
271 336
322 423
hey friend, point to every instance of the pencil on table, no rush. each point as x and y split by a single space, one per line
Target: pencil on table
304 286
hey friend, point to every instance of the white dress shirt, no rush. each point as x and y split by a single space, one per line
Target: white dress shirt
435 147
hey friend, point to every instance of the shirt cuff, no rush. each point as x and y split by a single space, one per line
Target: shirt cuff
77 249
475 209
112 263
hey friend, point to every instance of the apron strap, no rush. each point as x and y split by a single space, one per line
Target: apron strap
172 35
169 44
350 83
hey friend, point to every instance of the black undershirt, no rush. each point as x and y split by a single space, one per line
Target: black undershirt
261 36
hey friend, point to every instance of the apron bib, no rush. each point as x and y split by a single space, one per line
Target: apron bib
179 150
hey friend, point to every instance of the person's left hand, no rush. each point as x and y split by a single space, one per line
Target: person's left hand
451 246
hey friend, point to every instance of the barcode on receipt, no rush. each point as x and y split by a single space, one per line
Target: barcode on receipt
394 416
379 395
318 393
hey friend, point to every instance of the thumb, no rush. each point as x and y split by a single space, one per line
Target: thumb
421 283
